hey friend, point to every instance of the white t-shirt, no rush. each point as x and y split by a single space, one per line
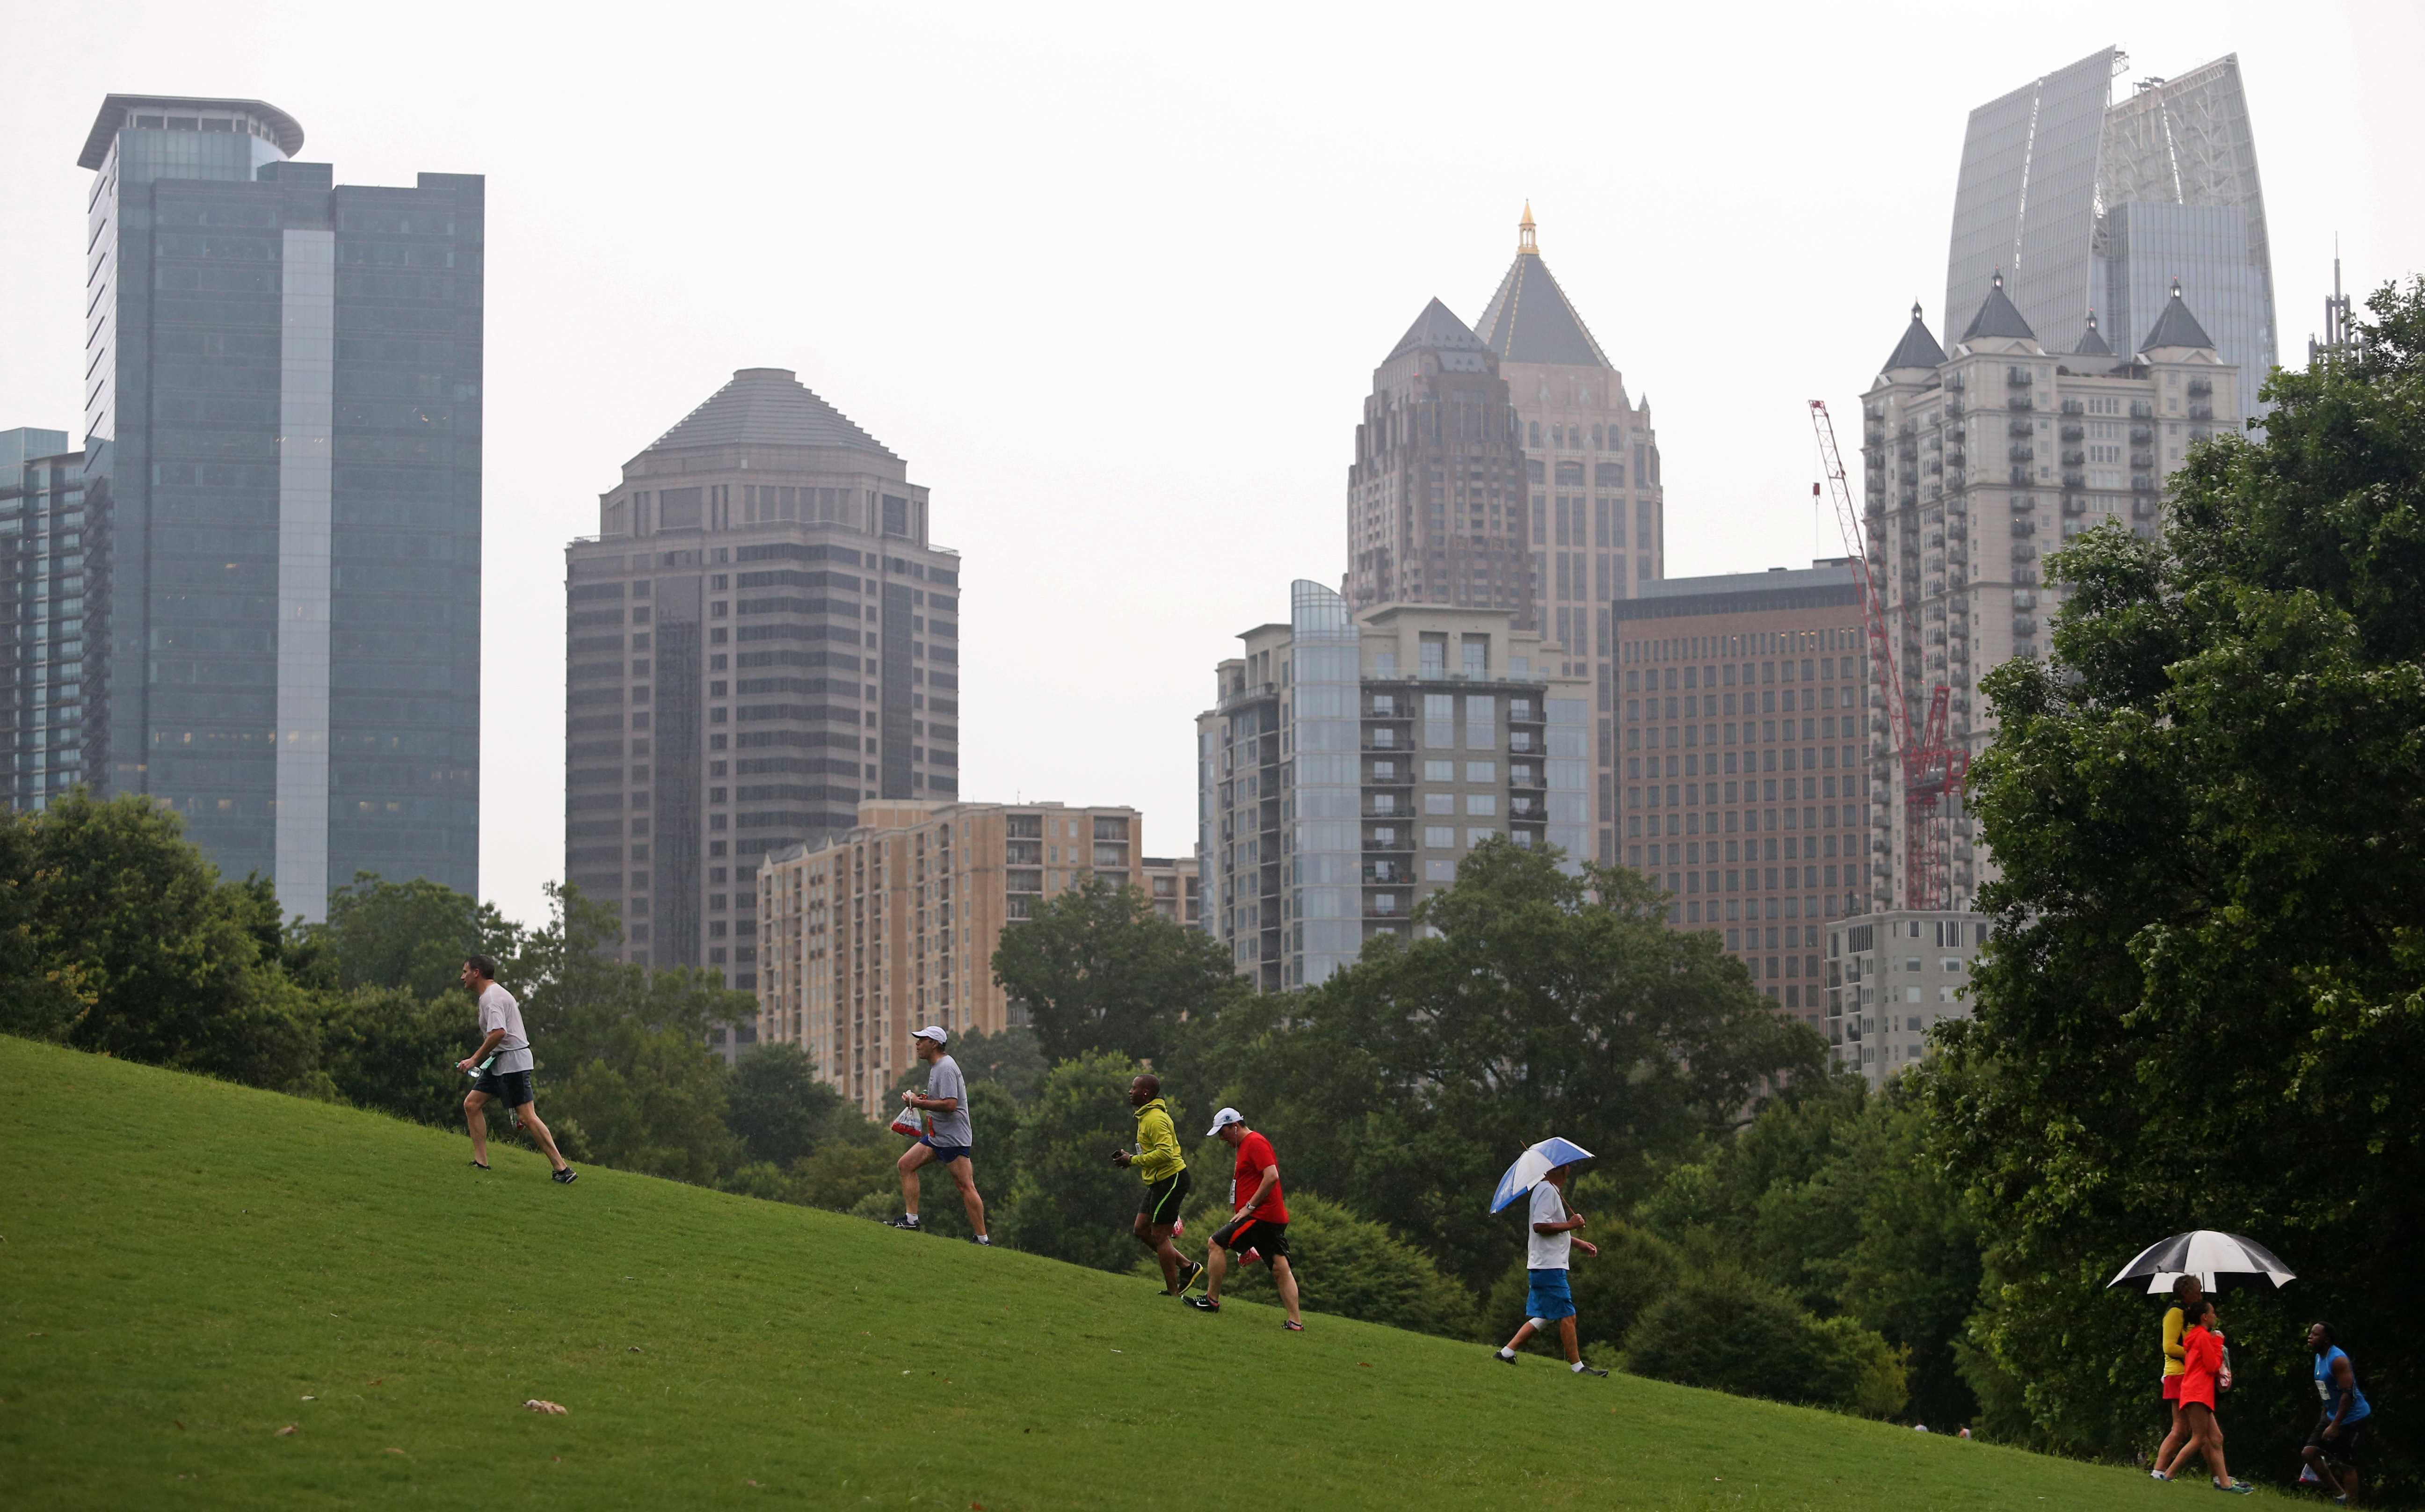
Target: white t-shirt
1547 1251
498 1010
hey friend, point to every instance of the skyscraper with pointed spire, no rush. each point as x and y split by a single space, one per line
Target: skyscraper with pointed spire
760 636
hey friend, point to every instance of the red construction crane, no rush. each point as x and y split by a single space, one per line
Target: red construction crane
1934 769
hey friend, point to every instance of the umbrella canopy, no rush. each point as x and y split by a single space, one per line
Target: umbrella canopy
1532 1165
2211 1256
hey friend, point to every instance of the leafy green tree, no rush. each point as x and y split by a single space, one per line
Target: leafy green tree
780 1110
41 997
411 935
1100 970
1065 1197
1346 1266
839 1174
165 962
382 1048
1011 1059
645 1099
2201 1007
1538 1004
1722 1327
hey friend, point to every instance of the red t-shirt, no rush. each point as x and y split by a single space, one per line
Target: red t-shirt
1254 1158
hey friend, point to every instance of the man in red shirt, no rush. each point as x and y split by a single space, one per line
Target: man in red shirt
1259 1223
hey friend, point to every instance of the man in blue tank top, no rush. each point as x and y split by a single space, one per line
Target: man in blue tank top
2340 1429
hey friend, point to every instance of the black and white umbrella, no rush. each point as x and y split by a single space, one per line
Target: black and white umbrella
2215 1258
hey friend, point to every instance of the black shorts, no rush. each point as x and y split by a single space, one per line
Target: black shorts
1260 1234
2344 1447
512 1088
1160 1208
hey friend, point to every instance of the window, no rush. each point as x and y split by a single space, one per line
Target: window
1476 649
1439 771
1480 771
1440 803
1476 837
1440 837
1481 805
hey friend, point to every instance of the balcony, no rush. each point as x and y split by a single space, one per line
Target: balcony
1387 738
2200 387
2074 480
2074 459
2142 483
2019 476
2143 508
2073 504
2020 454
2073 407
2140 434
2142 460
2201 411
2024 552
2019 377
2073 432
1520 742
2141 409
2020 401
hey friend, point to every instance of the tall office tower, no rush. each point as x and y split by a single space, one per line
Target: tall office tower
892 925
42 618
2081 203
1437 497
1771 837
1353 759
759 638
1978 461
282 498
1592 461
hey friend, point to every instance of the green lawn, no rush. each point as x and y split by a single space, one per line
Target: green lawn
186 1268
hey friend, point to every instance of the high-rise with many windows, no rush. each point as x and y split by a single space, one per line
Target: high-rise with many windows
282 508
41 617
760 638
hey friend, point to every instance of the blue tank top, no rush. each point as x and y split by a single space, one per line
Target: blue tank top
2329 1392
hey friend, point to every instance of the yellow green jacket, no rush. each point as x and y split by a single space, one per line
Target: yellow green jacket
1157 1158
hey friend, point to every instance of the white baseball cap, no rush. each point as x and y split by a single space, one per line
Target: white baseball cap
934 1032
1223 1119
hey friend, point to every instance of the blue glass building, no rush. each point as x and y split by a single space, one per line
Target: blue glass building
282 498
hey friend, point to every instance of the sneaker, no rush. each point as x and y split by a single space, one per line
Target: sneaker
907 1220
479 1164
1586 1369
1188 1271
2158 1475
981 1240
1293 1325
2237 1489
1202 1304
1502 1356
566 1177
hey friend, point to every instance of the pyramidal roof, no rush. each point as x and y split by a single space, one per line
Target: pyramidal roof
1437 330
768 405
1529 319
2175 327
2092 340
1997 316
1918 348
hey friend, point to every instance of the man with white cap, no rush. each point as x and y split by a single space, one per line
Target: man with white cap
1260 1221
943 1110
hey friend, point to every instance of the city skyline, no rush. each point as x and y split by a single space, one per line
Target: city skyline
621 338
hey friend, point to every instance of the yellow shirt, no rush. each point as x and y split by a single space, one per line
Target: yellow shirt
2173 1363
1157 1157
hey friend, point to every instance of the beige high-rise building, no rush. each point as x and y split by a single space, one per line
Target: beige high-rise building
867 937
1978 463
1351 761
1175 885
760 638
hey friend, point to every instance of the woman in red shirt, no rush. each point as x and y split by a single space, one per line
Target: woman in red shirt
2202 1362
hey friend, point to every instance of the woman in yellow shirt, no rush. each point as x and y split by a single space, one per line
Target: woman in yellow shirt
2187 1294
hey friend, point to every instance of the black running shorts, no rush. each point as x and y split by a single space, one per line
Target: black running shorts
2343 1447
512 1088
1260 1234
1162 1198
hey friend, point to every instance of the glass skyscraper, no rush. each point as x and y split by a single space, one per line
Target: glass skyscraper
41 617
282 498
2085 203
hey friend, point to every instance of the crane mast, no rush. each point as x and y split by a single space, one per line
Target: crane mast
1934 771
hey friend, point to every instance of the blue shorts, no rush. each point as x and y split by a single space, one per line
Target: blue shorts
1548 1297
944 1154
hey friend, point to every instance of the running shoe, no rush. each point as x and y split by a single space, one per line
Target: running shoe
566 1177
1188 1271
479 1164
907 1220
1503 1359
1202 1304
1293 1325
1588 1370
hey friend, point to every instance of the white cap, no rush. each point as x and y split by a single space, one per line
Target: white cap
1223 1119
934 1032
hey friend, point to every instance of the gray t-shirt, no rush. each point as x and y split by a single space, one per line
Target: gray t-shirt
498 1010
943 1079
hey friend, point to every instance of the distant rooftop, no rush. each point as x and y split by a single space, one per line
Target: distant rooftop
284 129
1824 584
768 407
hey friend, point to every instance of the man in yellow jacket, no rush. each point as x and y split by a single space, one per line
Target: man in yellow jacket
1158 1160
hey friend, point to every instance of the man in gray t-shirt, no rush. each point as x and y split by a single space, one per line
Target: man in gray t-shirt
501 1068
943 1110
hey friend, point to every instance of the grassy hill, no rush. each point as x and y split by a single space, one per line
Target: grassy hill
186 1268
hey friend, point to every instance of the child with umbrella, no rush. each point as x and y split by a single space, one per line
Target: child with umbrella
1548 1299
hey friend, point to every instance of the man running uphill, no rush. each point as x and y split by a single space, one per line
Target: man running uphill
1259 1223
943 1108
1165 1171
502 1064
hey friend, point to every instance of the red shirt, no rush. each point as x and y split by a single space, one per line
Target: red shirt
2201 1357
1254 1158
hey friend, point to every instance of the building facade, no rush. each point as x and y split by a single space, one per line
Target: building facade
2083 202
42 643
1175 883
1758 824
1891 977
760 638
1351 760
867 936
1979 461
281 532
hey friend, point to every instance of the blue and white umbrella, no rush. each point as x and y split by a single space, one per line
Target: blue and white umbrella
1532 1165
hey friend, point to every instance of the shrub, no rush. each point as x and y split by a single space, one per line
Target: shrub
1723 1329
1346 1266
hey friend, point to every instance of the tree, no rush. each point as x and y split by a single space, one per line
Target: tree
1346 1266
382 1048
412 934
1725 1329
1010 1059
2201 1007
1100 971
780 1111
1537 1003
1065 1199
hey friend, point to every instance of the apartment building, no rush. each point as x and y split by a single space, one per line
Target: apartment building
1351 760
1175 884
1891 977
760 638
866 936
44 572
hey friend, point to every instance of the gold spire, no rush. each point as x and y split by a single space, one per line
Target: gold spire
1524 232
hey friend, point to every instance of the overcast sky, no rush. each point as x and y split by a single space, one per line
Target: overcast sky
1113 281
